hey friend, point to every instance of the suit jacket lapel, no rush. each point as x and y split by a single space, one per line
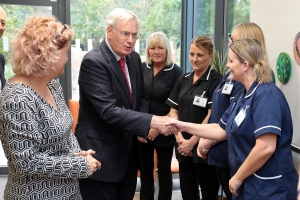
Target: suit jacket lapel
115 67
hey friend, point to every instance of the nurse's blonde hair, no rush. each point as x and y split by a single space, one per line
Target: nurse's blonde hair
252 51
159 39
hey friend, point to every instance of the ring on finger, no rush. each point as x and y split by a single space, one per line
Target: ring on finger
182 154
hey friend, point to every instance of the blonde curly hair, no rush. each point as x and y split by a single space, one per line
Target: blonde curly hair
37 46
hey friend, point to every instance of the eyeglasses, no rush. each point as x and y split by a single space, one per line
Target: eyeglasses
62 30
125 35
230 40
55 41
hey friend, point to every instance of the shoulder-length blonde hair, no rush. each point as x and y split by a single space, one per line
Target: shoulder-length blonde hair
37 46
159 39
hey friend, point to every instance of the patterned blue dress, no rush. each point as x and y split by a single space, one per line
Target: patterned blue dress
39 145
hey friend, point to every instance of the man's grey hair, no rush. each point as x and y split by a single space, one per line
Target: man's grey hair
119 14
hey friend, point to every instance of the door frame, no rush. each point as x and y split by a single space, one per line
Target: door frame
61 10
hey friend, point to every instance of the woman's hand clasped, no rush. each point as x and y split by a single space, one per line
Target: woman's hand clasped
202 149
93 163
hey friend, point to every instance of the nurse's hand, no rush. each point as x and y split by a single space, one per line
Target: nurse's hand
203 148
179 125
234 185
185 147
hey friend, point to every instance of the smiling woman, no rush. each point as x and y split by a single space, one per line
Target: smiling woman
190 101
160 76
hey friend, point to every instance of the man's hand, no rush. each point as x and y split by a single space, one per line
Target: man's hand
153 133
143 140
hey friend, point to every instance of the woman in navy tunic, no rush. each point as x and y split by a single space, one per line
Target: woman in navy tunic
218 155
258 127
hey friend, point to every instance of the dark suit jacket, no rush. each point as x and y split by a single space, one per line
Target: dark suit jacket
2 68
108 120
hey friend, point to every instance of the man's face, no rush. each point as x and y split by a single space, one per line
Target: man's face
122 38
2 22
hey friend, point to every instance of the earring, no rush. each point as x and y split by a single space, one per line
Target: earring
245 74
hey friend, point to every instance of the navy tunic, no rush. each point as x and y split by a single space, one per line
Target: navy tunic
266 111
218 154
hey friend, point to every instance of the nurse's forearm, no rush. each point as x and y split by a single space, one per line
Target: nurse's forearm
207 131
194 140
261 152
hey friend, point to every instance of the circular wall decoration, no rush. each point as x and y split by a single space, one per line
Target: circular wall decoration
296 48
284 67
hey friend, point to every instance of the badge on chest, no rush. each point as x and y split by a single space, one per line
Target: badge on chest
240 116
200 100
227 88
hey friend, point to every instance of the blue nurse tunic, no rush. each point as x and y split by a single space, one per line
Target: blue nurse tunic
218 154
266 111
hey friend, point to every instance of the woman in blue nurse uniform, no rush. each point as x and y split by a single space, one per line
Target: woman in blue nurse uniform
258 127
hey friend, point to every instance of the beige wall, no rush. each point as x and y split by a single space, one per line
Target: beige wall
280 22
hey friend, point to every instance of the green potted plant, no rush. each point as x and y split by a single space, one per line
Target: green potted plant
220 60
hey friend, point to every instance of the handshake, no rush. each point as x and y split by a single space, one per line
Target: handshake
166 125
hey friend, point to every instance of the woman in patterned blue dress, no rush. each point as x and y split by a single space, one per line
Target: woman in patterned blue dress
44 158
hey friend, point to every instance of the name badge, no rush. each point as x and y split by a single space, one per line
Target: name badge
200 101
227 88
240 117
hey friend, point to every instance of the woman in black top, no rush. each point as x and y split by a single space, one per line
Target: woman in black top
160 75
190 101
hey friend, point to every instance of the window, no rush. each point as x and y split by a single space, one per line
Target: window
204 18
88 21
238 12
16 16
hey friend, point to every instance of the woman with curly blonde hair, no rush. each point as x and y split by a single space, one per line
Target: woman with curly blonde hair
44 158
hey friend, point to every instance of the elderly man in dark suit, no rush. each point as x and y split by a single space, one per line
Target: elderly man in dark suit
2 60
113 110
